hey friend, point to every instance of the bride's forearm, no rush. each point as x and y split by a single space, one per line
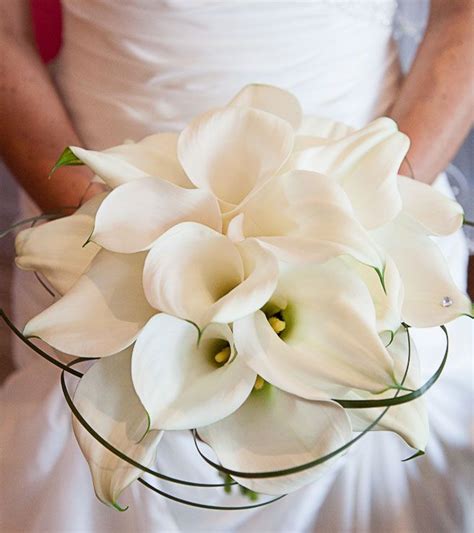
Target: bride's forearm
34 125
435 105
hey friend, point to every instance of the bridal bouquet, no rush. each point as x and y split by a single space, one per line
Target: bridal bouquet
253 279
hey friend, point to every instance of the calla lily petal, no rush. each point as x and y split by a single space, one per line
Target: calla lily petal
260 281
55 249
409 420
134 215
431 296
330 341
304 216
188 269
271 99
274 430
388 300
177 379
107 401
230 151
154 155
197 274
323 128
365 163
102 313
435 213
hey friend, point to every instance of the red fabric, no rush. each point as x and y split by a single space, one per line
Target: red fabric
47 27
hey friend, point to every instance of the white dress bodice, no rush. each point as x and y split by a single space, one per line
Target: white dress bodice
131 68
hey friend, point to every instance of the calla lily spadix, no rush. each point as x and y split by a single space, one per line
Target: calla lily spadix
186 380
314 352
240 276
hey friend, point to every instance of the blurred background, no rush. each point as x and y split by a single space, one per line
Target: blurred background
410 24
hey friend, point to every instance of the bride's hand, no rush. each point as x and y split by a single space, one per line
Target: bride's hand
35 126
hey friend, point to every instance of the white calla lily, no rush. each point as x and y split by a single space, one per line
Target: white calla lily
232 150
105 398
434 212
197 274
320 335
243 278
154 155
135 214
55 249
365 163
409 420
185 380
102 313
274 430
272 99
303 216
431 296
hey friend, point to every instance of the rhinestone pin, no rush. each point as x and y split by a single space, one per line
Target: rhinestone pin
446 302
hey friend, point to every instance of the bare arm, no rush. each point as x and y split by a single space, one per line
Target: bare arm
435 105
34 125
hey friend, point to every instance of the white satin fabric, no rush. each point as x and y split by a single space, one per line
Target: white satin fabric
131 68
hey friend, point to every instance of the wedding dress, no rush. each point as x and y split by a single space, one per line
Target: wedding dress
131 68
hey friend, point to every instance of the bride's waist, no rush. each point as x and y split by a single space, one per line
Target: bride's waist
149 97
174 66
201 63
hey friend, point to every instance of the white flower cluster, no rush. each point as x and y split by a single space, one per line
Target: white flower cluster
236 278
